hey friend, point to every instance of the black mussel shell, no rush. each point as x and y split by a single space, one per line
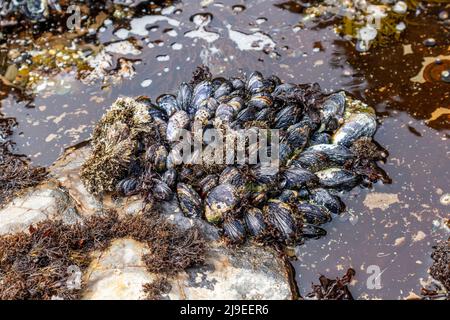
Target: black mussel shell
223 90
234 230
289 196
284 152
261 100
284 88
168 103
237 83
330 201
313 161
279 215
313 214
255 83
320 138
298 136
161 191
189 200
286 117
263 114
202 92
207 183
337 178
337 154
184 96
312 231
233 176
254 221
170 177
296 177
247 114
157 155
127 186
221 200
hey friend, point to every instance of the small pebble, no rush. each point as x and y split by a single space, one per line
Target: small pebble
445 199
430 42
445 76
400 27
400 7
443 15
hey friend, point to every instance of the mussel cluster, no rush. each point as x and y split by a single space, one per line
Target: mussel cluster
325 148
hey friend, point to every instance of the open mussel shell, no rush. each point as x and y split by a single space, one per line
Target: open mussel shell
312 213
330 201
234 230
189 200
337 178
254 221
279 215
220 200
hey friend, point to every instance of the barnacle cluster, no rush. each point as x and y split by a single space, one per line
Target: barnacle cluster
324 146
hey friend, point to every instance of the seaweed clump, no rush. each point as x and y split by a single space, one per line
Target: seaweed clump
440 269
329 289
114 143
36 264
15 171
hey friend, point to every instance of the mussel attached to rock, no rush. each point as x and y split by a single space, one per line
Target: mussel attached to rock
189 200
219 201
320 144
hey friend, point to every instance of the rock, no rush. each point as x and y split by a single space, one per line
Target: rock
247 272
48 201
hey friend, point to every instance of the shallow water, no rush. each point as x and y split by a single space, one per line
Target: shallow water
395 233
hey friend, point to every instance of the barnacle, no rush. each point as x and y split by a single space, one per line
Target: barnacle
114 145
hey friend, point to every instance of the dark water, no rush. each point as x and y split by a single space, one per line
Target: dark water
269 36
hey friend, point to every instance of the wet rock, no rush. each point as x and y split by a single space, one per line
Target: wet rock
48 201
245 273
248 272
